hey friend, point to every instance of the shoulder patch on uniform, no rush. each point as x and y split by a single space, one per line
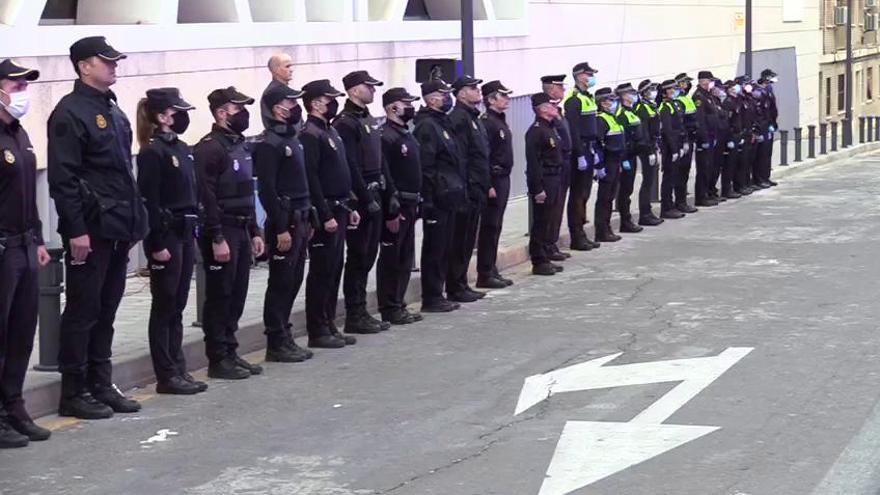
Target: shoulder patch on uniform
8 157
501 134
100 121
404 150
288 151
552 142
175 161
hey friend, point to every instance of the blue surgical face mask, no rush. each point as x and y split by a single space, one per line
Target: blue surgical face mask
614 106
677 93
738 89
591 81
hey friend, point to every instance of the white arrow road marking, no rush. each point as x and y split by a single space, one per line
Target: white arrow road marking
591 450
160 436
588 450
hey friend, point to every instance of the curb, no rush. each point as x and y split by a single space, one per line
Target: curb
137 371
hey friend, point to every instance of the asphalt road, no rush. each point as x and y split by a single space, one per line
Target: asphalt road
428 409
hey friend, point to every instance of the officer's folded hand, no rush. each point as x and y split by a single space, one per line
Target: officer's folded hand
220 251
373 207
162 256
284 241
393 225
331 225
686 148
627 165
541 197
674 156
582 163
258 246
492 193
80 247
601 173
354 218
652 160
706 146
43 256
731 145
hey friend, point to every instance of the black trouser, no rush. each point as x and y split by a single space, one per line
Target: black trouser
625 190
464 238
363 247
19 292
763 156
718 159
607 191
169 285
326 252
581 186
226 288
683 175
396 257
542 215
704 172
491 222
645 189
555 223
668 181
93 291
729 169
437 247
286 270
743 177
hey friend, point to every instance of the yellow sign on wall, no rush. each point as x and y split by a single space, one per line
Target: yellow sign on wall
739 21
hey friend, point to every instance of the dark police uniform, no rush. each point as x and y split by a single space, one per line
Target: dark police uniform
398 250
581 111
612 139
330 189
279 162
363 150
474 146
20 234
166 179
672 126
767 101
638 144
731 138
544 164
692 134
444 179
650 117
743 178
565 142
501 163
95 193
225 172
705 142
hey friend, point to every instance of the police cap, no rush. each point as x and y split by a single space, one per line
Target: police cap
667 84
222 96
553 79
394 95
465 81
583 67
93 46
11 70
646 85
495 87
359 77
705 74
278 93
624 88
605 93
539 99
161 99
321 87
435 86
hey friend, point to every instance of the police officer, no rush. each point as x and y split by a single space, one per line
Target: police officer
330 191
224 173
731 138
742 175
543 165
554 87
637 144
647 111
21 252
284 193
166 179
444 182
612 142
760 135
692 131
671 134
474 145
363 150
768 101
100 217
581 111
397 253
705 137
281 68
722 133
496 98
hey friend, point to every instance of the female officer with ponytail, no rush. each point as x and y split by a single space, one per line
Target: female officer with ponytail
167 183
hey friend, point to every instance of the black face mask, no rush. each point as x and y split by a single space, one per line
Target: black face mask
239 122
332 109
408 114
181 123
447 104
295 115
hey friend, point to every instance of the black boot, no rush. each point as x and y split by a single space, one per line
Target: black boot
10 438
326 342
627 226
83 406
111 396
441 306
543 269
177 385
357 320
226 369
254 369
278 350
201 385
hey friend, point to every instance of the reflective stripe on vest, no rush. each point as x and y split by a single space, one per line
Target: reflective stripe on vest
668 104
588 104
632 118
688 102
649 108
614 127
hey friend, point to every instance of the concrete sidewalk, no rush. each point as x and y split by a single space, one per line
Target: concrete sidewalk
132 364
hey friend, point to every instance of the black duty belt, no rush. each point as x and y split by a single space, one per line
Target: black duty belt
410 197
236 220
18 240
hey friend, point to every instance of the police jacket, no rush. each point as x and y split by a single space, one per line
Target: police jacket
474 144
281 168
612 137
733 113
580 110
693 125
543 155
326 167
637 140
650 116
363 150
166 178
18 183
225 181
500 143
707 117
90 169
444 175
562 128
770 106
402 152
671 127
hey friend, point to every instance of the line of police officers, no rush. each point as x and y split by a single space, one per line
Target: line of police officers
336 180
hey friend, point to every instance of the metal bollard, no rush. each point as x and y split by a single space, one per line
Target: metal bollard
862 130
811 141
847 137
823 138
833 136
783 148
798 137
51 279
869 133
200 287
876 128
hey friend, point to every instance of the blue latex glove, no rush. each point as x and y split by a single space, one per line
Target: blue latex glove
761 139
772 128
627 165
596 158
582 163
705 146
601 173
731 145
769 136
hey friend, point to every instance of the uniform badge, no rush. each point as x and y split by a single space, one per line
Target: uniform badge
501 134
332 143
446 135
100 121
474 125
367 128
288 151
404 150
175 161
9 157
235 165
552 142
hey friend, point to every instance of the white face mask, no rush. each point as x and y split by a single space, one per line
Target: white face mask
652 95
19 103
711 85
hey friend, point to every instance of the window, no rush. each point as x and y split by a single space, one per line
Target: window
859 86
59 12
827 96
869 83
416 10
841 92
